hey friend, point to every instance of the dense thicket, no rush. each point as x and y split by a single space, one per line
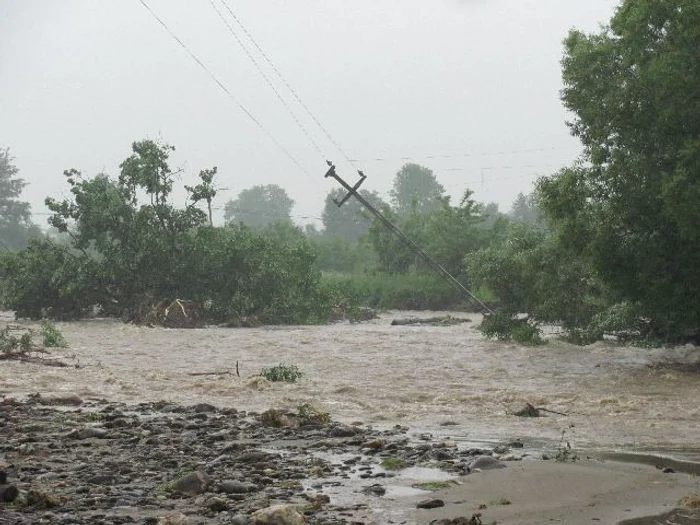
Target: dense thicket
130 248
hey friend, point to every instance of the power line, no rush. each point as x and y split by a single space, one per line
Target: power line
286 84
267 80
225 89
461 155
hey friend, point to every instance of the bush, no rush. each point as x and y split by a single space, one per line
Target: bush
508 328
286 373
52 336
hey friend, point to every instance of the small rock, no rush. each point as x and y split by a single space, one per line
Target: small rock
486 463
8 493
87 433
374 490
341 431
192 484
668 470
277 515
236 487
430 504
239 519
101 479
63 399
216 504
204 407
175 518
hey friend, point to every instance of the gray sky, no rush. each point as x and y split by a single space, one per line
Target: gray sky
478 80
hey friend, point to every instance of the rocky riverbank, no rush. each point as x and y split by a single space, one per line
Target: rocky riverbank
94 462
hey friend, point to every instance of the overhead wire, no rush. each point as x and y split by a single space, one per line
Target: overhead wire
287 85
461 155
268 81
225 89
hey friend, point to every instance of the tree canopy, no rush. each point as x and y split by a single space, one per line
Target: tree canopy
349 221
15 217
416 189
259 206
630 206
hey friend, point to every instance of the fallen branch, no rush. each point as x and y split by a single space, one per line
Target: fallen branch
447 320
223 373
530 410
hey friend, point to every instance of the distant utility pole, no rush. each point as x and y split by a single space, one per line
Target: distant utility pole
434 265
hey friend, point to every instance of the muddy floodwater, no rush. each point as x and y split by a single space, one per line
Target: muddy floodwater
615 397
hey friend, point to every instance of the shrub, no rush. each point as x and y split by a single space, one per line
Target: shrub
286 373
507 328
52 336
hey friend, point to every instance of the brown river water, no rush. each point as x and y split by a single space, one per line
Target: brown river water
615 397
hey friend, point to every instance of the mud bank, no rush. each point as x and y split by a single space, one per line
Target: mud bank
83 462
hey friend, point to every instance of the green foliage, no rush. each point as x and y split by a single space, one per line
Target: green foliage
52 336
631 208
259 206
529 272
335 254
128 247
286 373
393 464
412 291
416 190
447 234
204 191
10 341
351 220
47 280
16 228
507 328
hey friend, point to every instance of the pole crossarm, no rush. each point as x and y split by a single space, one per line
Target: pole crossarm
434 265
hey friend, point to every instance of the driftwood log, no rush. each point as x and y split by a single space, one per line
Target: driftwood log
442 321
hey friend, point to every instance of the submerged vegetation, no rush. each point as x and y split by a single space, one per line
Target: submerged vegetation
607 246
286 373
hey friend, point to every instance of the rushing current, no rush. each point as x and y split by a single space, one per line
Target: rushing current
614 397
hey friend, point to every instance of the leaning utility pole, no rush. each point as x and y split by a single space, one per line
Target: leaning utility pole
434 265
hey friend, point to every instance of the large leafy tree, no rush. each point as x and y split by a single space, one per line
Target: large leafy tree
351 220
131 225
259 206
15 217
416 189
630 207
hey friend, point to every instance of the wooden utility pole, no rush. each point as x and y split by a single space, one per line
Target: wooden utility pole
434 265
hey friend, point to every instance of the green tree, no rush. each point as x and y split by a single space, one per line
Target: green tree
351 220
15 217
416 189
524 209
447 234
204 191
131 226
630 207
259 206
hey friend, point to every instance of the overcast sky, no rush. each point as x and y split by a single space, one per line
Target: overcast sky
473 82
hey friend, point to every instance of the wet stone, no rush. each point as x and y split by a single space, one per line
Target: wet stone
486 463
236 487
430 504
192 484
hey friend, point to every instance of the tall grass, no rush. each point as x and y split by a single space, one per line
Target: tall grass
412 291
